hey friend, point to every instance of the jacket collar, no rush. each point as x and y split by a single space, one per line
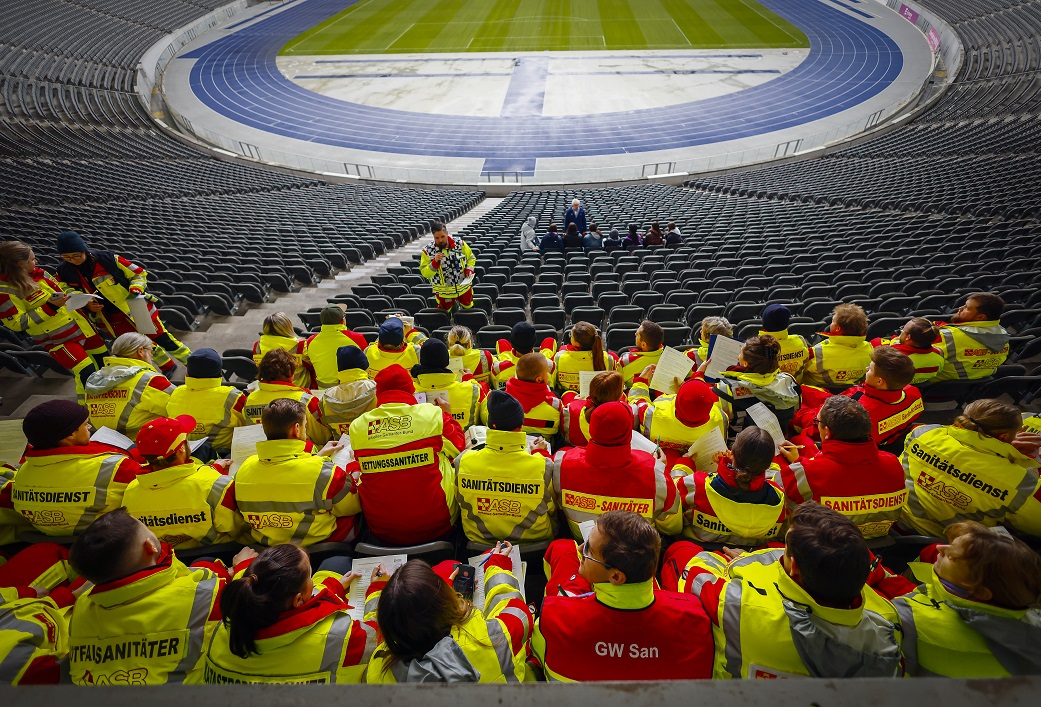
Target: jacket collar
140 583
795 593
291 622
333 328
850 452
529 394
627 597
842 340
89 449
936 590
395 397
779 335
202 383
990 445
886 396
167 476
352 375
129 363
990 334
435 381
276 450
506 441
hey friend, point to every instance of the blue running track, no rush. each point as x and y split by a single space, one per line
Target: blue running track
237 76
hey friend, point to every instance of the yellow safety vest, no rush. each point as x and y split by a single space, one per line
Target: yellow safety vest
149 630
543 419
569 420
119 396
22 312
283 493
214 406
30 630
763 613
477 362
62 491
505 492
794 352
947 636
838 361
343 404
1032 422
972 350
464 397
321 352
106 286
301 376
380 358
183 505
631 363
660 424
955 475
724 520
256 401
568 363
927 365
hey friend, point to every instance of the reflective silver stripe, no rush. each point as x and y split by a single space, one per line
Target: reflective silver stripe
503 650
106 472
134 401
275 506
500 578
19 656
474 399
732 628
818 360
539 511
661 493
325 477
229 405
371 641
213 500
801 482
335 644
468 508
951 352
521 616
204 593
371 602
713 561
648 418
909 641
700 580
1025 489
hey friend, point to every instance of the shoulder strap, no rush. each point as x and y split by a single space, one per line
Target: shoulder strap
108 261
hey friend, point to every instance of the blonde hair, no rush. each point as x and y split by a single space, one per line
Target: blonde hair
716 325
460 340
851 319
126 345
990 418
278 324
12 255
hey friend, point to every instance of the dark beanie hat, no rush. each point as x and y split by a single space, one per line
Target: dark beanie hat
433 358
392 333
348 357
204 363
50 422
331 315
71 242
522 338
776 317
504 411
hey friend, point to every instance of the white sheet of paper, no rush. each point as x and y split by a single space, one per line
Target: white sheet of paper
642 443
366 565
723 352
346 455
478 562
244 443
705 449
765 419
476 436
139 313
197 443
533 438
586 527
12 442
584 379
672 364
455 364
77 300
106 435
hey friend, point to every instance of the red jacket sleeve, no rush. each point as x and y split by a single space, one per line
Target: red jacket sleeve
452 431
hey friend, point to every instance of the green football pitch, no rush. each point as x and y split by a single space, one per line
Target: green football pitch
432 26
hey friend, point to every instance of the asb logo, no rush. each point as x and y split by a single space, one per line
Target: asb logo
498 507
575 501
939 490
389 425
259 521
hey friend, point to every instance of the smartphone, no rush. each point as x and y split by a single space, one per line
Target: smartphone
465 581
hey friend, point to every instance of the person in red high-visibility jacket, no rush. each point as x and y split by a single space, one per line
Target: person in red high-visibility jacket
603 617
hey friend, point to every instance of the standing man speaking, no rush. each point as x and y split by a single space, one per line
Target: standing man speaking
449 265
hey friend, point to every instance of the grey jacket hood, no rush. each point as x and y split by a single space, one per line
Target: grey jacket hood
993 337
445 663
1016 644
104 380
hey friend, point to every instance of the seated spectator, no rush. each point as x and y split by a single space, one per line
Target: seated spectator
572 238
654 237
217 408
432 634
584 353
632 239
147 617
916 341
395 345
606 387
128 391
608 474
278 333
12 523
841 359
613 241
551 241
477 361
505 489
676 421
794 350
320 349
891 401
529 241
662 635
186 503
650 342
531 388
403 452
673 236
355 394
67 481
709 326
432 375
594 240
287 493
736 505
849 474
508 351
983 467
35 637
974 343
805 610
976 615
280 625
757 379
275 382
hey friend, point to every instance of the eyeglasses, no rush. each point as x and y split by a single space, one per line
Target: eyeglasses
586 556
816 421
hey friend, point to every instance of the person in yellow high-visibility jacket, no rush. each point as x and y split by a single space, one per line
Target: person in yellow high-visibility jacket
974 343
842 358
650 340
433 377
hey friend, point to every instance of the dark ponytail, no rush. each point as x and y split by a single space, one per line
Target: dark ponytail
588 339
753 453
259 598
762 354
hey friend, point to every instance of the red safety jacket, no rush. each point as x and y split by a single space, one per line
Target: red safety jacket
892 411
574 426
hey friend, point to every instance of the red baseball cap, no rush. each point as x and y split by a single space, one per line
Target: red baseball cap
160 437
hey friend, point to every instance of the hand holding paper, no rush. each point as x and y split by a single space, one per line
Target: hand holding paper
723 352
673 365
